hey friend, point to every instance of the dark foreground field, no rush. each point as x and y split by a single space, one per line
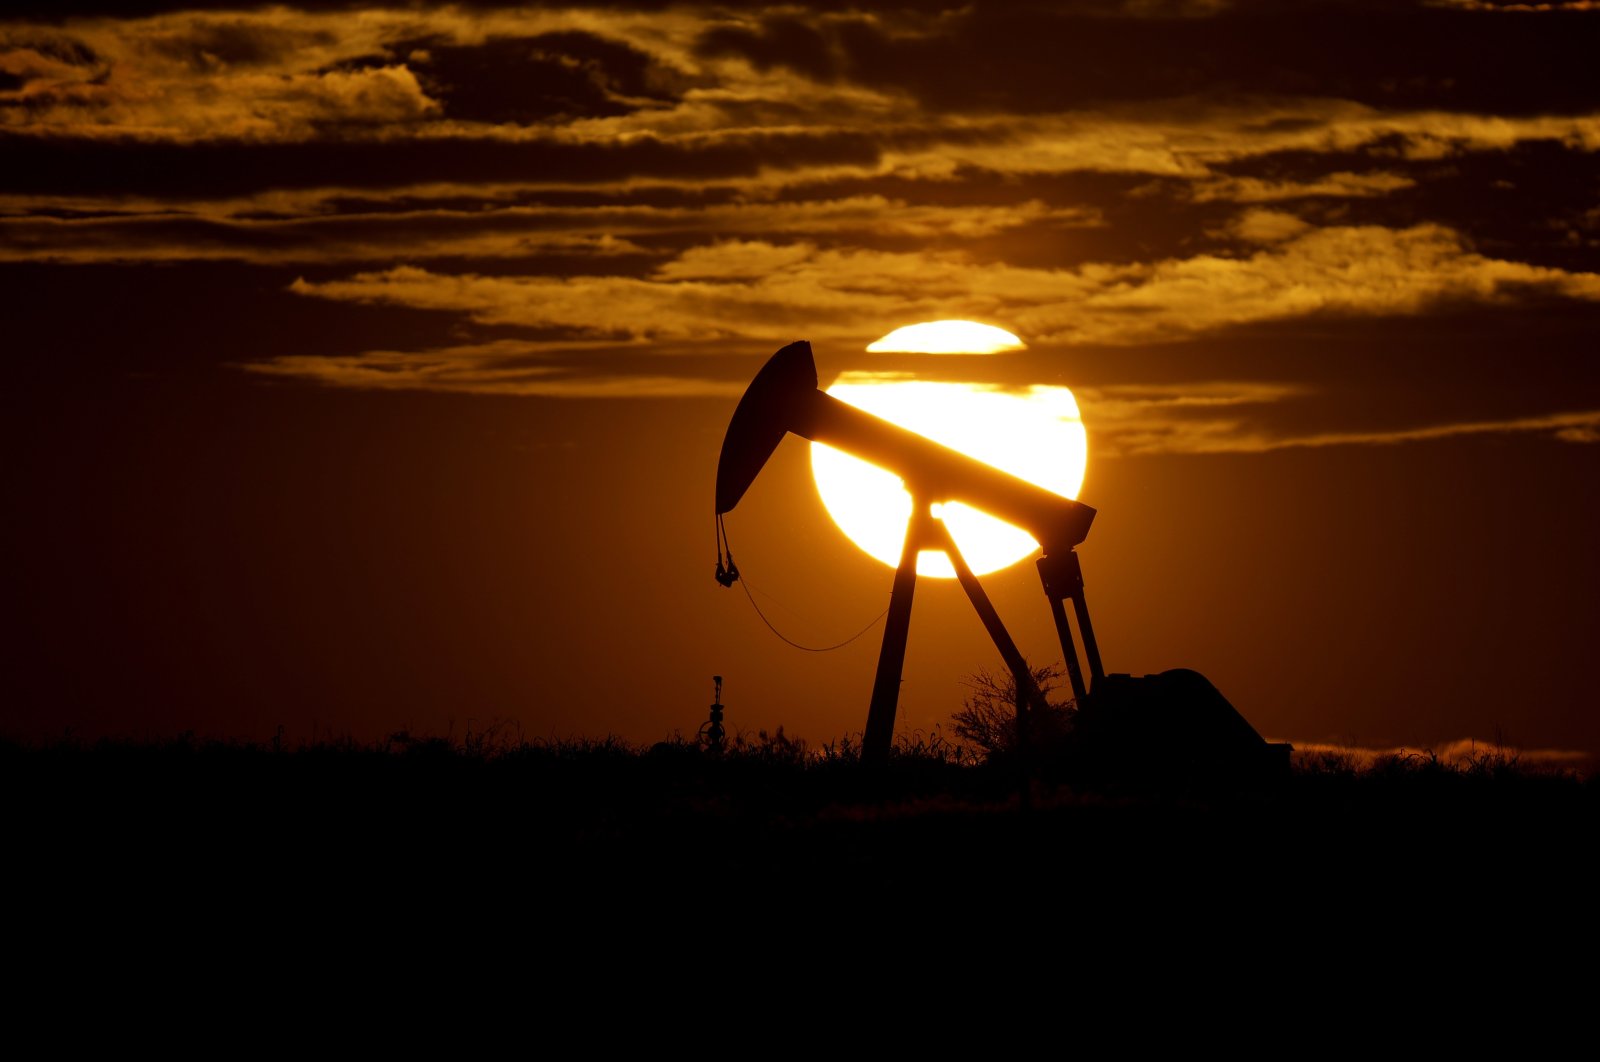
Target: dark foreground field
189 879
567 818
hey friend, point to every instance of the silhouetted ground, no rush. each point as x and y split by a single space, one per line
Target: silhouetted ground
186 879
570 876
256 820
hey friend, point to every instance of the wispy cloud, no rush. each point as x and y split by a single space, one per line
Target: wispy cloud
1578 427
603 77
698 175
279 74
493 231
1123 420
766 290
1338 185
505 367
1232 418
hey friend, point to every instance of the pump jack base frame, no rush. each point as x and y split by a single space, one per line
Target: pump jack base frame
1173 726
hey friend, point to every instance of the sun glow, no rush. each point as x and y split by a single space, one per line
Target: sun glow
1035 433
946 337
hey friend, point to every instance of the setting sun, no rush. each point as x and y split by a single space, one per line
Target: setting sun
1035 433
946 337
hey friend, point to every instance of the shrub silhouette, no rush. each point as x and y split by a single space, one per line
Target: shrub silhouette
988 716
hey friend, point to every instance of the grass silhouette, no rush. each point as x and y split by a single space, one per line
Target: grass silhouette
767 775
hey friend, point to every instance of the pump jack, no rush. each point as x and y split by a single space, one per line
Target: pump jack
784 398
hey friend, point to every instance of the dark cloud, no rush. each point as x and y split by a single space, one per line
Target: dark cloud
58 46
492 230
546 77
1043 60
690 195
221 169
11 82
782 41
1143 219
241 42
53 10
1520 202
165 238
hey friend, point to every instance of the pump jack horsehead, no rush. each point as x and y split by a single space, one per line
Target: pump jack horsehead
784 398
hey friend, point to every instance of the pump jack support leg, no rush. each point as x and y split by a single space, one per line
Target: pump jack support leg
1069 651
1062 576
1085 628
1027 692
892 657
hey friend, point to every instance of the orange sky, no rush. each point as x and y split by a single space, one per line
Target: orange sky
369 366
